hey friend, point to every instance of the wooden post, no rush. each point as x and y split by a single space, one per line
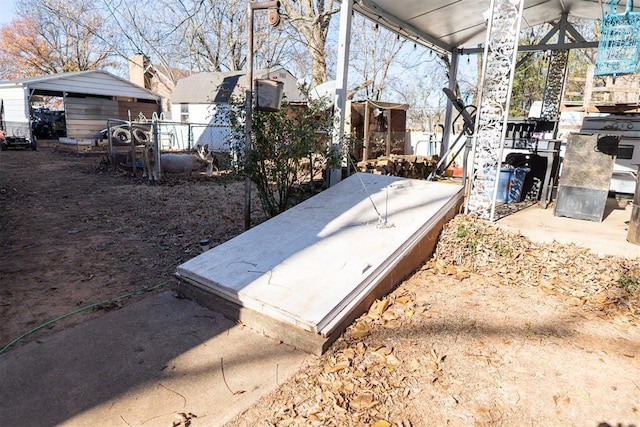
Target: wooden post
133 147
588 89
388 150
367 119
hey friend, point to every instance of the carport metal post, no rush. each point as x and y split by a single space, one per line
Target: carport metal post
133 146
344 40
112 154
156 150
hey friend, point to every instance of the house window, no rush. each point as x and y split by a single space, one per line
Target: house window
184 113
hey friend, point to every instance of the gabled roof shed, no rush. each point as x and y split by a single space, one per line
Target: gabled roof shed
89 99
214 88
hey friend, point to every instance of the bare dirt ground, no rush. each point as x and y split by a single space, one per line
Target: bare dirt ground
75 232
493 330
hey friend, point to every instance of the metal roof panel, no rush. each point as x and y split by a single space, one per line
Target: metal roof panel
445 25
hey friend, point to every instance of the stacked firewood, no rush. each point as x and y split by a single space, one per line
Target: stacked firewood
407 166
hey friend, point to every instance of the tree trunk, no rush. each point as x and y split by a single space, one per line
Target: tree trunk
318 68
312 20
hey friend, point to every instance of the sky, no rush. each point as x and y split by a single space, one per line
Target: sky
6 11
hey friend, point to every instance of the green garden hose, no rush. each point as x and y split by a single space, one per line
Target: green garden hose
97 304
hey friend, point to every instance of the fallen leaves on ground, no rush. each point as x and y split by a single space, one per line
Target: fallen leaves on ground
385 366
579 277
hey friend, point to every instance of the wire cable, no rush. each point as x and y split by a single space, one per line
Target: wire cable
382 221
79 310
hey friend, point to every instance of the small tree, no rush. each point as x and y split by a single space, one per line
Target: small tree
281 143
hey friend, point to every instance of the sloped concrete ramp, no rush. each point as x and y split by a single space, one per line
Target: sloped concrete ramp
305 275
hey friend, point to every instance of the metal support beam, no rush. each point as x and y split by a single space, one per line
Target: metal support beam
537 47
448 112
344 40
562 27
501 48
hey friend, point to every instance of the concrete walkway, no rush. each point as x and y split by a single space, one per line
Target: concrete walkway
608 237
143 365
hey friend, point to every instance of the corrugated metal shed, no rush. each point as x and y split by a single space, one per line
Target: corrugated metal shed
14 107
90 99
92 82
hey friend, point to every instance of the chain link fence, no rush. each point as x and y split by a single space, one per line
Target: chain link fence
172 136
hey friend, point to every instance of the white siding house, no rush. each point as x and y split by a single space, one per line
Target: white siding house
202 100
89 98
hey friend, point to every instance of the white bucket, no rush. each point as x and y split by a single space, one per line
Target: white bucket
268 94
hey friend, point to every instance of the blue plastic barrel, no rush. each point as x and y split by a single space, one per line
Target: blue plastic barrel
517 182
504 184
510 184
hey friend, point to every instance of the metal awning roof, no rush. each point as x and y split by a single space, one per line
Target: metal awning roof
89 82
448 25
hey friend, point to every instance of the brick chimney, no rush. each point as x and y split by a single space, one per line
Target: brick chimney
139 72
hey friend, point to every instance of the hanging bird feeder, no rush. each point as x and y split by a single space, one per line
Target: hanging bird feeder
619 41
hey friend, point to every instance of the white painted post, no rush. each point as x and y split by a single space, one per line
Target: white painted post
344 38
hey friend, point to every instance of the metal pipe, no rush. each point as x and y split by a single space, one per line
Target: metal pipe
249 103
448 112
633 233
248 118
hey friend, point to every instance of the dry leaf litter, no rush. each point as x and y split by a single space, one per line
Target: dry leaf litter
371 378
608 284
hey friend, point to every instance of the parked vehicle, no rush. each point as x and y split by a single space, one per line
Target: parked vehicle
47 124
15 141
